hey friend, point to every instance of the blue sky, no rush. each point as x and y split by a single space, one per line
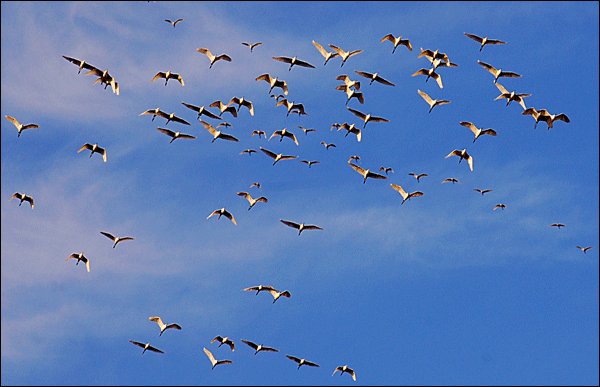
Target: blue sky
439 290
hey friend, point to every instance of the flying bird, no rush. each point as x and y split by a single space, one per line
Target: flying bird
252 45
259 133
345 369
80 63
257 184
259 288
388 169
252 200
351 93
164 326
406 196
327 146
351 129
224 108
354 158
306 131
94 148
348 82
434 55
478 131
301 227
277 157
116 239
172 117
366 173
217 133
374 77
327 55
259 347
276 294
22 197
214 361
545 116
224 340
147 347
201 111
274 82
173 22
344 54
512 96
432 102
79 257
584 249
302 362
175 135
498 73
213 58
293 61
249 151
397 42
242 102
500 206
559 225
168 75
418 177
431 73
367 117
463 155
21 127
310 162
291 106
105 78
483 41
154 112
284 133
482 192
223 212
453 180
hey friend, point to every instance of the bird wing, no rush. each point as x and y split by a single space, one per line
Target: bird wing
255 346
474 37
357 168
509 74
210 356
253 288
228 137
391 38
290 224
455 152
488 67
360 115
215 212
86 146
166 131
160 74
288 157
283 59
421 72
425 97
470 161
502 89
438 79
138 343
178 20
378 119
180 120
294 358
491 132
87 263
229 216
292 136
364 74
157 320
268 153
246 195
178 77
207 52
174 326
311 227
224 57
13 120
384 81
264 77
303 64
354 53
108 235
268 349
276 133
562 117
310 363
338 50
321 49
209 127
286 294
416 193
470 126
494 41
187 136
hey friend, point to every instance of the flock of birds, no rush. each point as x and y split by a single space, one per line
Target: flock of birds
351 89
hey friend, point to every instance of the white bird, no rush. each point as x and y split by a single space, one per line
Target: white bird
357 158
559 225
389 169
94 148
22 197
483 41
21 127
168 75
351 129
500 206
214 361
116 239
482 192
453 180
257 184
274 82
224 340
344 54
434 55
252 45
367 117
293 61
147 347
306 131
172 117
213 58
291 106
345 369
80 257
223 212
259 347
432 102
397 42
259 288
174 22
80 63
284 133
201 111
327 55
512 96
435 63
327 146
276 294
351 93
584 249
259 133
277 157
154 112
366 173
418 177
310 162
164 326
301 227
175 135
217 133
431 73
498 73
249 151
463 155
406 196
242 102
347 81
105 78
478 131
224 108
550 118
252 200
302 362
374 77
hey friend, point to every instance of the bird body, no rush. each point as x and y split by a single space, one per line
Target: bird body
164 326
277 157
22 197
175 135
223 212
217 133
345 369
116 239
327 55
483 41
301 227
497 73
213 58
21 127
366 173
252 200
478 131
344 54
463 155
274 82
147 347
214 361
79 257
406 196
94 148
259 347
397 42
432 102
293 61
367 117
168 75
302 362
224 340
